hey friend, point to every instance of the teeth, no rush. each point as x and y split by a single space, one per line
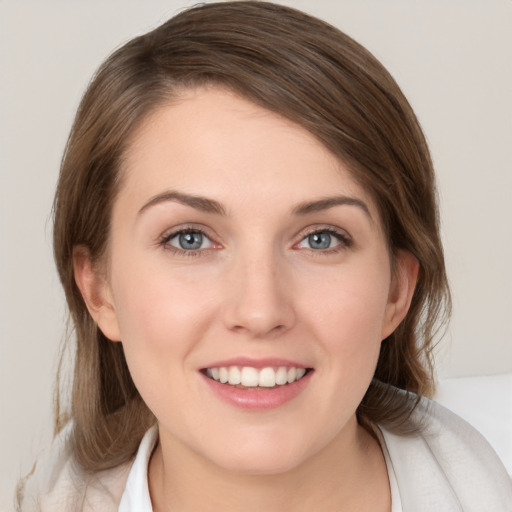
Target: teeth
250 377
282 376
267 378
234 375
223 375
292 374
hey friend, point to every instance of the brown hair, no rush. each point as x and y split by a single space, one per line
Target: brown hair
314 75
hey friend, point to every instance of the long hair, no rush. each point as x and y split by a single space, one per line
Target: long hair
305 70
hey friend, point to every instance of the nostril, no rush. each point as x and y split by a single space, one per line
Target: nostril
260 331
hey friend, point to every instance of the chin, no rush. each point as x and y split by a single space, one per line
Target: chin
260 457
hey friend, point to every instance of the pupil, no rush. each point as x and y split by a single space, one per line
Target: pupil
191 240
320 240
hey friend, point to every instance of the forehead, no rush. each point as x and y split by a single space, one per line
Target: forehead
211 142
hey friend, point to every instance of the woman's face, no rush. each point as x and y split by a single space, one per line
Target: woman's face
241 249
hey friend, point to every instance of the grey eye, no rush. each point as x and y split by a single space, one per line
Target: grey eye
323 240
190 241
320 240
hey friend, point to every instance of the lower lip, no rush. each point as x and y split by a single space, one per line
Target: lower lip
258 399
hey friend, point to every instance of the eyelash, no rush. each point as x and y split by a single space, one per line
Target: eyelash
165 239
344 240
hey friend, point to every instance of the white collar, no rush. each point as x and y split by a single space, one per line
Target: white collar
396 502
136 493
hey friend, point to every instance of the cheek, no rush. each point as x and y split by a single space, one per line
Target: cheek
350 305
346 314
153 304
159 322
160 328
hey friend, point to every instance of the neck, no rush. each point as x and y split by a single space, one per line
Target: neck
348 474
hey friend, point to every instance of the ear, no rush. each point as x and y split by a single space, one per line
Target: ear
403 283
96 293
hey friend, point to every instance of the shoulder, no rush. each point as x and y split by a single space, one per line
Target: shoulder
57 483
447 465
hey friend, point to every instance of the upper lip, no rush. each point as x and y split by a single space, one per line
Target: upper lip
258 363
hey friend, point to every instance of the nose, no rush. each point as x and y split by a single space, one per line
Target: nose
260 297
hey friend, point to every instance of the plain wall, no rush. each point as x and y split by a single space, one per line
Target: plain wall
453 60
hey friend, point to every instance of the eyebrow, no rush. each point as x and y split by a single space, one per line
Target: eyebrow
211 206
199 203
329 202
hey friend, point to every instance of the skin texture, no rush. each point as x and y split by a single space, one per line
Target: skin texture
256 288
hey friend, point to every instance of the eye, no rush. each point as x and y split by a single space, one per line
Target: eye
188 240
324 240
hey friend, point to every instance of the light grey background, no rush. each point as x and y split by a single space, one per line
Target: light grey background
453 59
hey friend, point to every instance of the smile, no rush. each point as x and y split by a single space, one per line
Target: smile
249 377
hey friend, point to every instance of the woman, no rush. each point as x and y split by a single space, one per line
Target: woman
247 234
